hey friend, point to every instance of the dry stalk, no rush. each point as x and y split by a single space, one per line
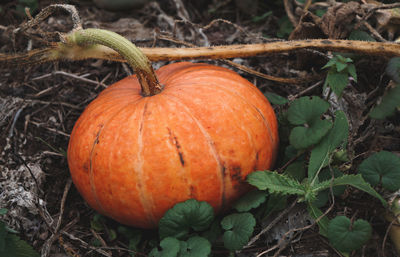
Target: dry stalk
63 51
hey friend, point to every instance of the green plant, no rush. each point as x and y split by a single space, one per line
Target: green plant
340 69
10 244
346 235
189 227
321 143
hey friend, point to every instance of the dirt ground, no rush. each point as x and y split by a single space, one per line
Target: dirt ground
39 105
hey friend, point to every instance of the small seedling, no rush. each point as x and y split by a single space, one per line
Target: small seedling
340 68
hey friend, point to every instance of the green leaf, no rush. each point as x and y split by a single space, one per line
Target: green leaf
361 35
261 17
330 63
323 223
296 170
285 27
96 223
382 167
15 247
275 183
170 248
321 153
276 99
325 176
340 66
347 237
356 181
3 235
351 69
337 81
195 247
133 235
3 211
239 227
306 109
214 232
191 214
393 69
303 137
251 200
390 101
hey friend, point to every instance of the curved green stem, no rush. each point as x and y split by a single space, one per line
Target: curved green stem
134 56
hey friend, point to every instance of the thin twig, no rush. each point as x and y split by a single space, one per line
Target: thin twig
242 67
379 7
270 225
86 245
49 10
289 12
63 73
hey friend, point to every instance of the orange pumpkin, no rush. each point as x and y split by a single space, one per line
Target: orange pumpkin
134 157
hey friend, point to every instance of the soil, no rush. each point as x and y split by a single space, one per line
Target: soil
39 105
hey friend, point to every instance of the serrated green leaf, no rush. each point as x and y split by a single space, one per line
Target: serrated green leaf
306 109
390 101
325 177
191 214
382 167
303 137
323 223
347 237
170 248
356 181
15 247
330 63
321 152
195 247
275 99
239 227
337 81
275 183
251 200
340 66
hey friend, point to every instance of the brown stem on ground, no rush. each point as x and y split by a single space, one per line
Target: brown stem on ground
75 52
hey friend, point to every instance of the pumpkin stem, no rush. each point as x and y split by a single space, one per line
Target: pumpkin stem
133 55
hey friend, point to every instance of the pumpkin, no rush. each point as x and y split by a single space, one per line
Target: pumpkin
132 157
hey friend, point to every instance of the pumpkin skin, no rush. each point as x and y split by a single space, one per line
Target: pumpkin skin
133 157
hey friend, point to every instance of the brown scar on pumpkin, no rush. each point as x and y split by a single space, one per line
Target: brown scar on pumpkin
178 147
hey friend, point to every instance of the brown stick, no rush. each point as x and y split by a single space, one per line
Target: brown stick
63 51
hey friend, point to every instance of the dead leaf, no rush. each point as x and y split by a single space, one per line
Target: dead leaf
336 22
